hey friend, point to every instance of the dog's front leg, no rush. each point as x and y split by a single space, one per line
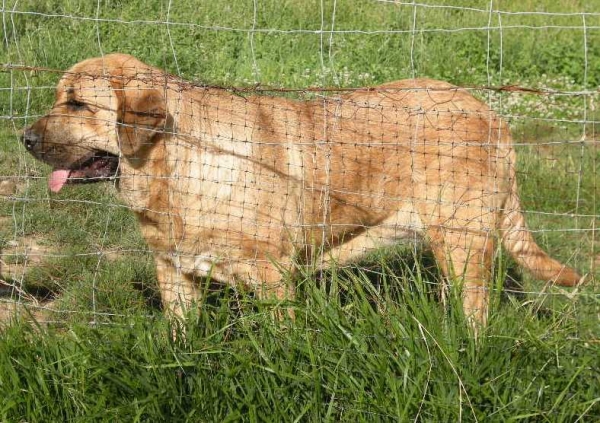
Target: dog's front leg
177 291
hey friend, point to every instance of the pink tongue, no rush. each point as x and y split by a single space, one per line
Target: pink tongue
58 179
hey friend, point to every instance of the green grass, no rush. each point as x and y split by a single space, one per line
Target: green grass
370 343
340 360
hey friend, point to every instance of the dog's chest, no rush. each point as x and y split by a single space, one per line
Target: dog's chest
214 171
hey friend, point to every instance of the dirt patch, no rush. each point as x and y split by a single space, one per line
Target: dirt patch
114 254
9 310
13 310
18 255
16 258
5 221
8 187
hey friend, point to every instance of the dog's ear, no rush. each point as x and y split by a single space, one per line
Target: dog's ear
142 117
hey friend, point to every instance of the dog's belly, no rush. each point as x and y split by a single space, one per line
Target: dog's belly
402 226
213 248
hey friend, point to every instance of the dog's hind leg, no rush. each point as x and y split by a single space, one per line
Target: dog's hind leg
465 258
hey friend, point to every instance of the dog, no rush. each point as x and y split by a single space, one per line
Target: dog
242 188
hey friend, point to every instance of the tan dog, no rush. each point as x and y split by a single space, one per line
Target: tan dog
239 188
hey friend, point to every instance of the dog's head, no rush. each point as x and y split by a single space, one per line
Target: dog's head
106 109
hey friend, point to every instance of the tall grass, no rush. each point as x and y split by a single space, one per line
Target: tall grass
370 357
369 343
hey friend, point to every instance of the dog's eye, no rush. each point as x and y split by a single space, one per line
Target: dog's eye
76 105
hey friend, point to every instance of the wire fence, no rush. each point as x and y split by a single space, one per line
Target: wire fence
246 144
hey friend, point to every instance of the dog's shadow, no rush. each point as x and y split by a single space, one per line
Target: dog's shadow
14 290
393 275
410 270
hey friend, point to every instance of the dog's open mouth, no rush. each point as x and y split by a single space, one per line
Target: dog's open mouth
98 167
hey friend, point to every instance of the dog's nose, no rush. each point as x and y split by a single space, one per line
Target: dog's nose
30 139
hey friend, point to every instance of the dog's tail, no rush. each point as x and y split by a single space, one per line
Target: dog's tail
519 242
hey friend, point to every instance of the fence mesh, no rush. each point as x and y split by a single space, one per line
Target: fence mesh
253 141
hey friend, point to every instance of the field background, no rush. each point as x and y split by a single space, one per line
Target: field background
371 343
